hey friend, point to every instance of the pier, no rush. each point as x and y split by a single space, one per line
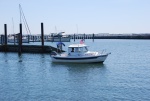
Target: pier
111 36
29 49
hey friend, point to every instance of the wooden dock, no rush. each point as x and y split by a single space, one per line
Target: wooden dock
29 49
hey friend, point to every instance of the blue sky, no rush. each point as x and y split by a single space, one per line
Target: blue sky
88 16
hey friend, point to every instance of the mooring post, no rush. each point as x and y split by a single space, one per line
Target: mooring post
5 31
42 36
14 39
20 38
33 38
74 37
52 37
5 28
93 37
2 39
29 38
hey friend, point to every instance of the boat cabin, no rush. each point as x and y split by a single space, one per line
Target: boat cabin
77 49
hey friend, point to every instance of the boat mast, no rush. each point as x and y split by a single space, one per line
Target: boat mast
77 29
24 20
20 12
13 25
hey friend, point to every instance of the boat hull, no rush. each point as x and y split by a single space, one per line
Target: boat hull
16 41
91 59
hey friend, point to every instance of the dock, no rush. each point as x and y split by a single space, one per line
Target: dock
20 48
29 49
111 36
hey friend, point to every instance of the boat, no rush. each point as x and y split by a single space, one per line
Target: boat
79 53
14 39
57 37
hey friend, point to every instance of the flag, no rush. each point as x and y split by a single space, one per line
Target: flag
82 41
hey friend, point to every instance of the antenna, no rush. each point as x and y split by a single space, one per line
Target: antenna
13 25
56 29
77 28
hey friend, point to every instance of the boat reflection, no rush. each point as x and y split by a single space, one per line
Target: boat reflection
78 66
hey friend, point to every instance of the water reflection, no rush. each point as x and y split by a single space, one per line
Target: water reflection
19 57
78 67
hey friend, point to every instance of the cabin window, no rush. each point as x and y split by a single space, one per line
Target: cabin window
76 49
79 49
72 50
86 48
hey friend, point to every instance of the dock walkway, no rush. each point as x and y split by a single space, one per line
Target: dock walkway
29 49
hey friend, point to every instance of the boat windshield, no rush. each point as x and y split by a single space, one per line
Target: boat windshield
85 49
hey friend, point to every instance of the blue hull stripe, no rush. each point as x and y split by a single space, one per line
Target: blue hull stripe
83 58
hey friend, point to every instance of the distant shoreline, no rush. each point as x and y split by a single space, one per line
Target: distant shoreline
110 36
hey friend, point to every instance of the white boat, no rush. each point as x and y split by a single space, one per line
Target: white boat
14 39
79 53
59 37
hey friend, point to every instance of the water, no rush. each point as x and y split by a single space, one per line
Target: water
124 76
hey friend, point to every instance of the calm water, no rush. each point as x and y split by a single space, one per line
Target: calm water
124 76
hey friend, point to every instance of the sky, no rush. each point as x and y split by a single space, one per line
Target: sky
77 16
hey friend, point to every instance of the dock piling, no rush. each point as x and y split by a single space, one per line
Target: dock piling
20 39
84 36
5 37
2 39
74 37
5 30
42 36
93 37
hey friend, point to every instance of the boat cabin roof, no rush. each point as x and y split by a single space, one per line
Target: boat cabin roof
77 45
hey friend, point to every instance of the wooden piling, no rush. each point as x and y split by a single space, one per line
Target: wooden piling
28 38
74 37
2 39
14 39
5 37
33 38
5 30
42 35
93 37
20 39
